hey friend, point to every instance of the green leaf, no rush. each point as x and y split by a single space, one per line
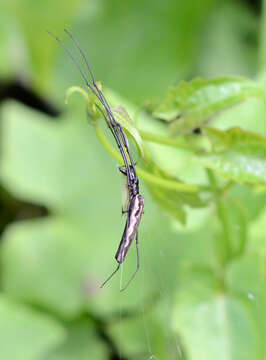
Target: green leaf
246 277
81 343
173 207
252 199
257 230
237 155
212 324
172 201
43 264
151 346
38 172
190 104
26 334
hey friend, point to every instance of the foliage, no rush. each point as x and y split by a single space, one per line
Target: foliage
201 150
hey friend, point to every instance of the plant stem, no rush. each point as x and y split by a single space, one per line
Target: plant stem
224 241
150 178
163 140
244 218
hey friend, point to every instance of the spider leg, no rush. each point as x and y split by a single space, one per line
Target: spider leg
109 277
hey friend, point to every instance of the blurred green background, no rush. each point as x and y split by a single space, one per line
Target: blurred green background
60 190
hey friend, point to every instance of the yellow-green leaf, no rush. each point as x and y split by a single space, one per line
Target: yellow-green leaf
191 104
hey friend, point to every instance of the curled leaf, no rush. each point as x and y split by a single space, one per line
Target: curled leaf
74 89
92 110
